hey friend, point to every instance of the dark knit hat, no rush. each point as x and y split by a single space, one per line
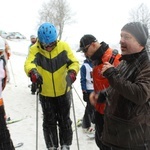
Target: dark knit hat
86 40
138 30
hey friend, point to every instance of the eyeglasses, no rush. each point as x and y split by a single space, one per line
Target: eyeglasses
51 45
86 48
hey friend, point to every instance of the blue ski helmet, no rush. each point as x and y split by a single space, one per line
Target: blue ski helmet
47 33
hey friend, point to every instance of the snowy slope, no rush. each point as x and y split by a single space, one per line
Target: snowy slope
19 103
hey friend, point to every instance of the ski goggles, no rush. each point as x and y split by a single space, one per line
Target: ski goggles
51 45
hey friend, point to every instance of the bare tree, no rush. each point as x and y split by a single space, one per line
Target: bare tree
57 12
141 14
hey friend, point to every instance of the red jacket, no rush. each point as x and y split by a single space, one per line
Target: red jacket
100 82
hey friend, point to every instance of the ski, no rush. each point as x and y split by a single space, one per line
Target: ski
18 145
11 121
91 136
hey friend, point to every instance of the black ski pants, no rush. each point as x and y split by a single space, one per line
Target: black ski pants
5 140
99 123
56 120
88 114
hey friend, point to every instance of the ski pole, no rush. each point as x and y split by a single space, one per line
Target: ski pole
75 122
69 85
79 96
12 72
37 94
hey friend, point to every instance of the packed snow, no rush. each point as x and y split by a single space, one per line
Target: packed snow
20 104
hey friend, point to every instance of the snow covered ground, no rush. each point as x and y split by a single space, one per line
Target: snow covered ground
20 104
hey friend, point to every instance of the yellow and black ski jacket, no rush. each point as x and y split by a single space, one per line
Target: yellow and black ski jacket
52 66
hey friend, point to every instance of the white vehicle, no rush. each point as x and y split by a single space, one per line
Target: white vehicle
15 35
3 34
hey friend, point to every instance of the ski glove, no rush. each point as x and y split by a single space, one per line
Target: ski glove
35 77
102 97
85 96
71 77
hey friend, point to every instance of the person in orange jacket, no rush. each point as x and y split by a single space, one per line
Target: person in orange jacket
5 139
98 53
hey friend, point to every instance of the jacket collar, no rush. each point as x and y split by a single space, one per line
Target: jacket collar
99 53
132 57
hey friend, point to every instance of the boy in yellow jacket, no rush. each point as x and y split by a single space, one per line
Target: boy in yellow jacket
52 65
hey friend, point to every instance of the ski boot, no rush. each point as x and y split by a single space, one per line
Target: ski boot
52 148
79 123
65 147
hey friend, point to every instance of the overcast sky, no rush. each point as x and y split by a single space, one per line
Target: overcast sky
102 18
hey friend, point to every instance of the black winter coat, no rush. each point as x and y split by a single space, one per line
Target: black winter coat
127 114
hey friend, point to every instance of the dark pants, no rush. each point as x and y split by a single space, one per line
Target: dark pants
88 115
56 118
5 140
99 123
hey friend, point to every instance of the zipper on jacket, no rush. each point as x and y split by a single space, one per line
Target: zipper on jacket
52 75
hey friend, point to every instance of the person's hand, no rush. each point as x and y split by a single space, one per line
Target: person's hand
93 98
71 77
102 97
35 77
85 96
106 66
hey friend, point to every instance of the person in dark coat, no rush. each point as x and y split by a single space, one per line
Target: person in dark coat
127 112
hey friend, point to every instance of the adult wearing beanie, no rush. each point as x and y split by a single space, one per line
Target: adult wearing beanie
127 112
138 30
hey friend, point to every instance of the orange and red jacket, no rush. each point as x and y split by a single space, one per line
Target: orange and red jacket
100 82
